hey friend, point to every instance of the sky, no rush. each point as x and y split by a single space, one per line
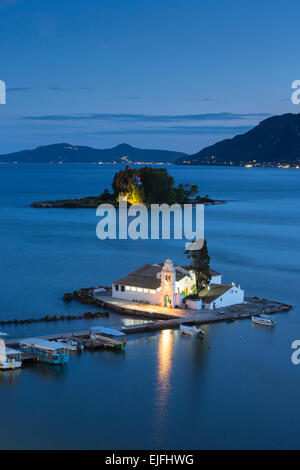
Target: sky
169 74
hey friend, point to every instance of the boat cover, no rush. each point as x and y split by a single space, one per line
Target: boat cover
107 331
42 343
3 357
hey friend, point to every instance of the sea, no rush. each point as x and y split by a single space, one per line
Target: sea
237 388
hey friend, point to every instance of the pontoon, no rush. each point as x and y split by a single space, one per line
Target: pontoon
9 358
46 351
111 338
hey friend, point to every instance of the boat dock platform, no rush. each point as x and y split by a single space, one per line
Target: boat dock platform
251 306
175 318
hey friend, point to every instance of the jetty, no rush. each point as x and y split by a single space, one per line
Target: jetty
159 318
102 298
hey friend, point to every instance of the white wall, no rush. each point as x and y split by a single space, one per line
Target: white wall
232 297
216 279
180 285
178 299
194 304
131 295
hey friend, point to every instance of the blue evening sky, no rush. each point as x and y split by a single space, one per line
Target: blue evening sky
174 74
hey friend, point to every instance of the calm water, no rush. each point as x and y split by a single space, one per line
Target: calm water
166 391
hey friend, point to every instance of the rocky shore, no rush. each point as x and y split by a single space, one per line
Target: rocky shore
47 318
92 202
78 295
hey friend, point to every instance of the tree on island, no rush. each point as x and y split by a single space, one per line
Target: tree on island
122 181
200 260
150 186
135 195
157 184
190 190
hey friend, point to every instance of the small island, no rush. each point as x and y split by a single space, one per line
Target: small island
144 185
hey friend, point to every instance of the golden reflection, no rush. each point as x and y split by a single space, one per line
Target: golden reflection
163 382
165 347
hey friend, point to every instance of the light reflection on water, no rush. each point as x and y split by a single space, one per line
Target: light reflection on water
9 376
163 382
49 371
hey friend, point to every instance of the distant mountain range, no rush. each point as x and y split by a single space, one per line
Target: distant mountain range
66 153
276 140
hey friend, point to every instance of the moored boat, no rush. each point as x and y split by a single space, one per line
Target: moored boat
69 345
50 352
109 337
9 358
190 330
263 320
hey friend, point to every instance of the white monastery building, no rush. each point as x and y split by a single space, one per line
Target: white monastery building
167 284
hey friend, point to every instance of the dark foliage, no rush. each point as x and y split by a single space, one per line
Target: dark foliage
199 263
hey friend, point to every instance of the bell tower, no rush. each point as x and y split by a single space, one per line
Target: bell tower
168 280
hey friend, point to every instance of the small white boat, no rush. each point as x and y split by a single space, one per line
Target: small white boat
70 344
263 320
76 345
80 347
9 358
190 330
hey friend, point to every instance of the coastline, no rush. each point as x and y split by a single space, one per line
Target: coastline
92 202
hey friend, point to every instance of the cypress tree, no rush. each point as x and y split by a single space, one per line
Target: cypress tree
199 263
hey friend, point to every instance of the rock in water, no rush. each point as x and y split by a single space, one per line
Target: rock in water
67 297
